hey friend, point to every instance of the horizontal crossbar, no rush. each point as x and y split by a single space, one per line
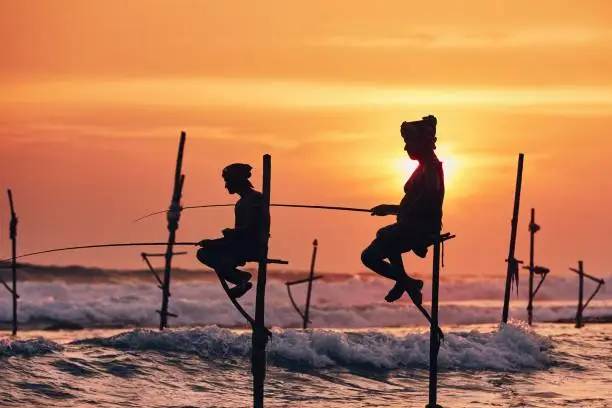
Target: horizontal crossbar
442 237
269 261
587 275
538 270
541 270
174 253
277 261
303 280
167 313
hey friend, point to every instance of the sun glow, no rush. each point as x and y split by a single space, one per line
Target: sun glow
452 163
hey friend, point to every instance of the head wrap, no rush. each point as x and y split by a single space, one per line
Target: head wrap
423 130
237 172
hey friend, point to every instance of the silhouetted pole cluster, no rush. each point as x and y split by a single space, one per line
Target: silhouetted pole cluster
13 265
434 332
173 215
582 306
310 279
512 272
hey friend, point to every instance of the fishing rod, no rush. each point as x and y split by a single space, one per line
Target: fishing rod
320 207
125 244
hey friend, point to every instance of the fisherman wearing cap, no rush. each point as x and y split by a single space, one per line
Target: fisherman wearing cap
239 244
418 216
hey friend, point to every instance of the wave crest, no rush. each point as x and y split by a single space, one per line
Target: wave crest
30 347
510 348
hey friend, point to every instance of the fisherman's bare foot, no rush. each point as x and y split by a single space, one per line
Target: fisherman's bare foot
395 293
413 290
240 289
243 275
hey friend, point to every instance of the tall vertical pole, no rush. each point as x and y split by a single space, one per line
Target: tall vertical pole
434 335
173 216
580 294
512 263
532 232
13 235
315 245
260 336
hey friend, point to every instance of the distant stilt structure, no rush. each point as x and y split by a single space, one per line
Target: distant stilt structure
260 334
582 306
434 331
13 265
160 284
533 269
173 215
513 263
310 279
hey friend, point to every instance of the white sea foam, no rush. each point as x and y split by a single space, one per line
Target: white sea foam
353 302
30 347
511 348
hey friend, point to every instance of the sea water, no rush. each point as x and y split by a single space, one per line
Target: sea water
551 365
361 351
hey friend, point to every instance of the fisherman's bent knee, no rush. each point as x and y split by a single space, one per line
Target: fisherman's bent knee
383 232
393 232
370 256
205 255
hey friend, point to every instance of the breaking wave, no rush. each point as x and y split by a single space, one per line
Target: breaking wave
27 348
510 348
348 303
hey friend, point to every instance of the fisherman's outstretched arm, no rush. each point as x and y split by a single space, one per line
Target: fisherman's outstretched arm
385 209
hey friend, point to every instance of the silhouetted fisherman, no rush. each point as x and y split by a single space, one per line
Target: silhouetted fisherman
419 214
239 244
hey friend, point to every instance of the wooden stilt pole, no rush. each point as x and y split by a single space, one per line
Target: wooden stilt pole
173 216
315 245
581 304
13 235
260 334
600 282
512 261
580 294
434 338
533 228
310 279
434 330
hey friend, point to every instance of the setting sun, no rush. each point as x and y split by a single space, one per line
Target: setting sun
452 164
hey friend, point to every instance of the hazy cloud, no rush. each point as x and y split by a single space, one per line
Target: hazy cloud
445 37
290 95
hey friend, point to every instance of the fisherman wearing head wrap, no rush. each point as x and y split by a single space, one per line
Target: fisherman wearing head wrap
418 215
239 244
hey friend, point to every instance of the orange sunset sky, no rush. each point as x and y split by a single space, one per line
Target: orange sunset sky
94 94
